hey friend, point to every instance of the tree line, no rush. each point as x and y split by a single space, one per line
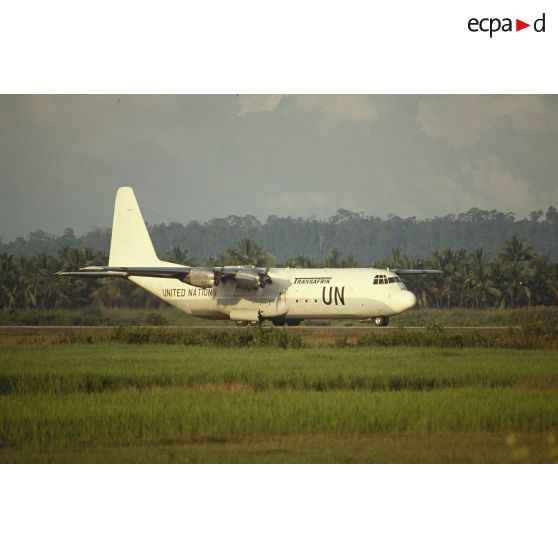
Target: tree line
366 238
516 275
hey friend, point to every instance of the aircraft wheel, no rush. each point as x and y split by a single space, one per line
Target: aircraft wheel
381 321
254 323
241 323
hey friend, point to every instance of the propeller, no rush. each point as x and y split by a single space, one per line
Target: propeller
264 278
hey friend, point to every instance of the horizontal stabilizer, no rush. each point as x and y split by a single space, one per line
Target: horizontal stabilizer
91 274
178 272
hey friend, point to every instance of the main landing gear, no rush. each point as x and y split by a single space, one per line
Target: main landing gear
275 322
381 321
282 322
243 323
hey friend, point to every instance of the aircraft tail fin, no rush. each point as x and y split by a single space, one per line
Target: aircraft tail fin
130 244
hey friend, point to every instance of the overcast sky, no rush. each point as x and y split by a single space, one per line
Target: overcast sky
197 157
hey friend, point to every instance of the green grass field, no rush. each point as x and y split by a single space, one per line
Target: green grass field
169 403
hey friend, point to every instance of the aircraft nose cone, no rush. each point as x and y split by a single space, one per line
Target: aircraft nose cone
403 300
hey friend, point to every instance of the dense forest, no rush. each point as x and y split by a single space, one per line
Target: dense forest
516 275
366 239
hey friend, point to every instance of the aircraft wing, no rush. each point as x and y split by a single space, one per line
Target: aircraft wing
246 277
416 271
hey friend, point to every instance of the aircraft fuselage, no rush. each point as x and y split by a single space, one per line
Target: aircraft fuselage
293 294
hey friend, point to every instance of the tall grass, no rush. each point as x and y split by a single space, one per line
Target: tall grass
538 334
171 417
114 401
102 316
58 369
219 337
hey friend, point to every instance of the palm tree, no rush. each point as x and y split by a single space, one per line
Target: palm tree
542 280
300 261
8 281
42 269
499 280
247 253
74 258
75 293
515 251
449 262
397 259
333 258
111 293
178 256
514 256
478 278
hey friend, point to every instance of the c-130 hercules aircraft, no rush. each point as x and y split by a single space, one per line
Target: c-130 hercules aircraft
248 295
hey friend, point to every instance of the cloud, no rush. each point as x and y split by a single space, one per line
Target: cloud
353 107
483 183
357 108
498 187
464 119
41 110
443 195
194 157
250 104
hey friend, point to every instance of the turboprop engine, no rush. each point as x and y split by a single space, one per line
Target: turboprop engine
244 278
248 279
202 278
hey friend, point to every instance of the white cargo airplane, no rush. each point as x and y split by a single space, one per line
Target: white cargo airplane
248 294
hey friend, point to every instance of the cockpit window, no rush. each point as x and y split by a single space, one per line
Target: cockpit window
384 280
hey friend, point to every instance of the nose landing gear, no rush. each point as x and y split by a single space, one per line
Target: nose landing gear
381 321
